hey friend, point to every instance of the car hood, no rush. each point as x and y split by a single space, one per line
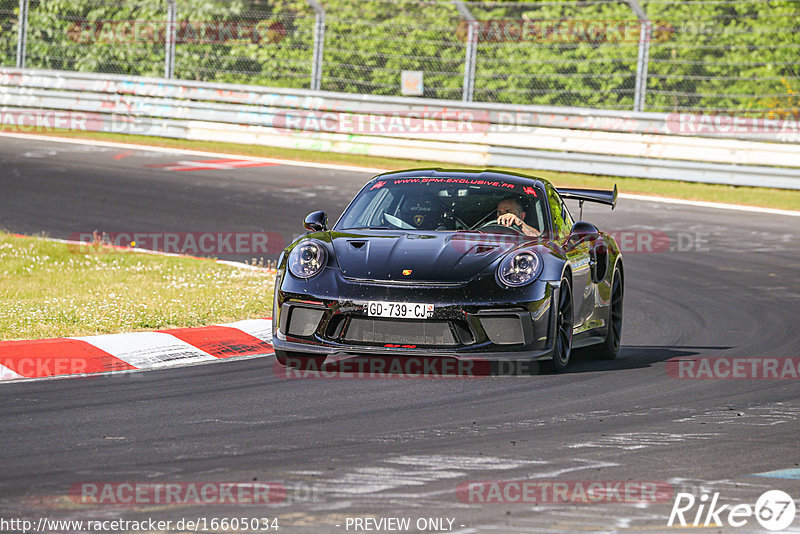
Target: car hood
420 256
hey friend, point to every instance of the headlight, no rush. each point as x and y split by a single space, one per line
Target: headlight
307 259
519 268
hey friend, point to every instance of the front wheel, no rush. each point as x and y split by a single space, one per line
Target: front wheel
562 344
299 360
609 350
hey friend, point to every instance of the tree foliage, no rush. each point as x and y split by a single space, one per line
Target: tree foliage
723 55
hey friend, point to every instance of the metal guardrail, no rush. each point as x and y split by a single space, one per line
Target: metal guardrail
648 145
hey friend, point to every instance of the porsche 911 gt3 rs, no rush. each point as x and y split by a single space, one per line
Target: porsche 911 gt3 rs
456 263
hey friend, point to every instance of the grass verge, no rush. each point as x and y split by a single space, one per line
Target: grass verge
751 196
49 289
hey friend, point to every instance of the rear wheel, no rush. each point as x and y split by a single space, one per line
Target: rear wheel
609 350
299 360
562 344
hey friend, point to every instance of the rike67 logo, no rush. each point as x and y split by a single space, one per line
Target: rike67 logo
774 510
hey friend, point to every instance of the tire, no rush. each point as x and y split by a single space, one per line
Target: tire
299 360
609 349
562 344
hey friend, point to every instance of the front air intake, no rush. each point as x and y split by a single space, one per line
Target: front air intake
382 331
303 321
503 330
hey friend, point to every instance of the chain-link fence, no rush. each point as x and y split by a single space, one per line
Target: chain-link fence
557 53
739 56
368 45
725 55
9 27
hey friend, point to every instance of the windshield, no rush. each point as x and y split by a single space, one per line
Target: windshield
442 204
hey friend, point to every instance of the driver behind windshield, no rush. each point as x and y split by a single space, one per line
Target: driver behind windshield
510 213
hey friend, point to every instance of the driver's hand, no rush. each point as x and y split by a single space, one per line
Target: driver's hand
509 219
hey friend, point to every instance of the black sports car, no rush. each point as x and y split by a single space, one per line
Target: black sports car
457 263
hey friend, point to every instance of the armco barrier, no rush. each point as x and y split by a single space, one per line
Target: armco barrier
648 145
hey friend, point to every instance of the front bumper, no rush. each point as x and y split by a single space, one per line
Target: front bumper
327 316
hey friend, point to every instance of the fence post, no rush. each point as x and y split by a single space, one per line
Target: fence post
319 43
645 33
470 57
22 35
169 60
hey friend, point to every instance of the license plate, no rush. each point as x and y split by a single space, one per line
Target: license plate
400 310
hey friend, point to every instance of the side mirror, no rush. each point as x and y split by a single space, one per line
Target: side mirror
316 221
583 231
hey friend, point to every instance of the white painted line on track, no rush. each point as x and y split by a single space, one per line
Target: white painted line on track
715 205
370 170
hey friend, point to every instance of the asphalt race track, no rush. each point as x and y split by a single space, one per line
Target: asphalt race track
726 285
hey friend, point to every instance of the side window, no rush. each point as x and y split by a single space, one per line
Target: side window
568 220
539 216
562 220
373 216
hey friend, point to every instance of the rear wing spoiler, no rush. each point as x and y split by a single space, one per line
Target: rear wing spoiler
590 195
